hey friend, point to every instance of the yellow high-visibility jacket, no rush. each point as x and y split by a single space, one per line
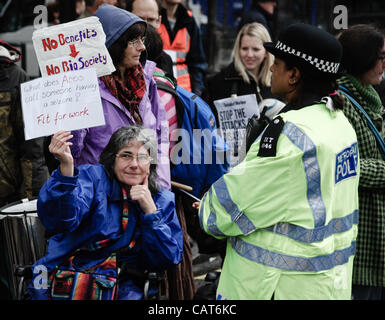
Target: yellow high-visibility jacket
289 211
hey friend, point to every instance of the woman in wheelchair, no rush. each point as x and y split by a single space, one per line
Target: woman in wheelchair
113 225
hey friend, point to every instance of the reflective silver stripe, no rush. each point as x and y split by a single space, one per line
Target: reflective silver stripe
292 263
181 55
201 209
301 234
212 220
223 196
312 171
187 41
181 72
176 55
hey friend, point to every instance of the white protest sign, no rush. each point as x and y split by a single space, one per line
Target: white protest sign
72 46
67 101
233 115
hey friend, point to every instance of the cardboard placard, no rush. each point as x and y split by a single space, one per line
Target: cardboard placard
233 115
67 101
72 46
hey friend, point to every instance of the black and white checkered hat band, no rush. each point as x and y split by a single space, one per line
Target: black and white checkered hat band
320 64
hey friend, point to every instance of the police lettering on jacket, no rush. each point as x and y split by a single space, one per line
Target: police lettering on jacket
346 163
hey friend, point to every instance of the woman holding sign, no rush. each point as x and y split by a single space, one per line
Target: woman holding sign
249 78
249 71
106 217
129 95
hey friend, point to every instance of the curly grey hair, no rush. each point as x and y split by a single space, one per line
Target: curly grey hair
120 139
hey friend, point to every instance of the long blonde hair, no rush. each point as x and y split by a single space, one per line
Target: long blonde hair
253 30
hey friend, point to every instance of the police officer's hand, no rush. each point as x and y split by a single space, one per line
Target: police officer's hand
196 205
60 148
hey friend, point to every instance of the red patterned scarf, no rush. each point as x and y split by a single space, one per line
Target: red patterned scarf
128 91
125 215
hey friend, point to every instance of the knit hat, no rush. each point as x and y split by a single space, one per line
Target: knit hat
314 51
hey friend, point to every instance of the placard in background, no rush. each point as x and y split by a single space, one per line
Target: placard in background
233 115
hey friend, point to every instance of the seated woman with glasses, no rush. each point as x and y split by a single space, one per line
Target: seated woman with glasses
113 224
129 95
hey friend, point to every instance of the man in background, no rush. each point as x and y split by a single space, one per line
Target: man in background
149 11
182 41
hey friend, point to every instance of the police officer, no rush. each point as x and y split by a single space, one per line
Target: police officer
290 210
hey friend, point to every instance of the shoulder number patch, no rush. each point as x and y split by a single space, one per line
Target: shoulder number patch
269 140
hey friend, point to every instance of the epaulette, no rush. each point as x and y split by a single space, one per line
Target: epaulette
269 140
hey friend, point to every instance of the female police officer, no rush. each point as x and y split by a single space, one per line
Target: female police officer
289 210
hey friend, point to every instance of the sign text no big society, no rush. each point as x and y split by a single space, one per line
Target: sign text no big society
72 46
68 101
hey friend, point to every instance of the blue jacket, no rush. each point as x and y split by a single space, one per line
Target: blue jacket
86 208
199 158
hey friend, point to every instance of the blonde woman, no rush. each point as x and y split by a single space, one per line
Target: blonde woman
249 72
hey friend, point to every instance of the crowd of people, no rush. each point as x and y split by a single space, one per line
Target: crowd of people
300 217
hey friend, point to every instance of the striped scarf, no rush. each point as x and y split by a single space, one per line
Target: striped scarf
68 284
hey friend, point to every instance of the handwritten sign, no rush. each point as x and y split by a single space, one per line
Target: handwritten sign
233 115
72 46
68 101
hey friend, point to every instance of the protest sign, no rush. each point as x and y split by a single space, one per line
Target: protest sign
67 101
233 115
72 46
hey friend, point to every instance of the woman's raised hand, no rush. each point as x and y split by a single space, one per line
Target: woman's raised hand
60 148
141 193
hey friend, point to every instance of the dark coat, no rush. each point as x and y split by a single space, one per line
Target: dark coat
22 166
227 82
257 14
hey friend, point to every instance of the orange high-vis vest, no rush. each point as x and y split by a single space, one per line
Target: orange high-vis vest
178 50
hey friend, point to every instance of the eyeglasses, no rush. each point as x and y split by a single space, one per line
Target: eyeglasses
135 43
142 159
